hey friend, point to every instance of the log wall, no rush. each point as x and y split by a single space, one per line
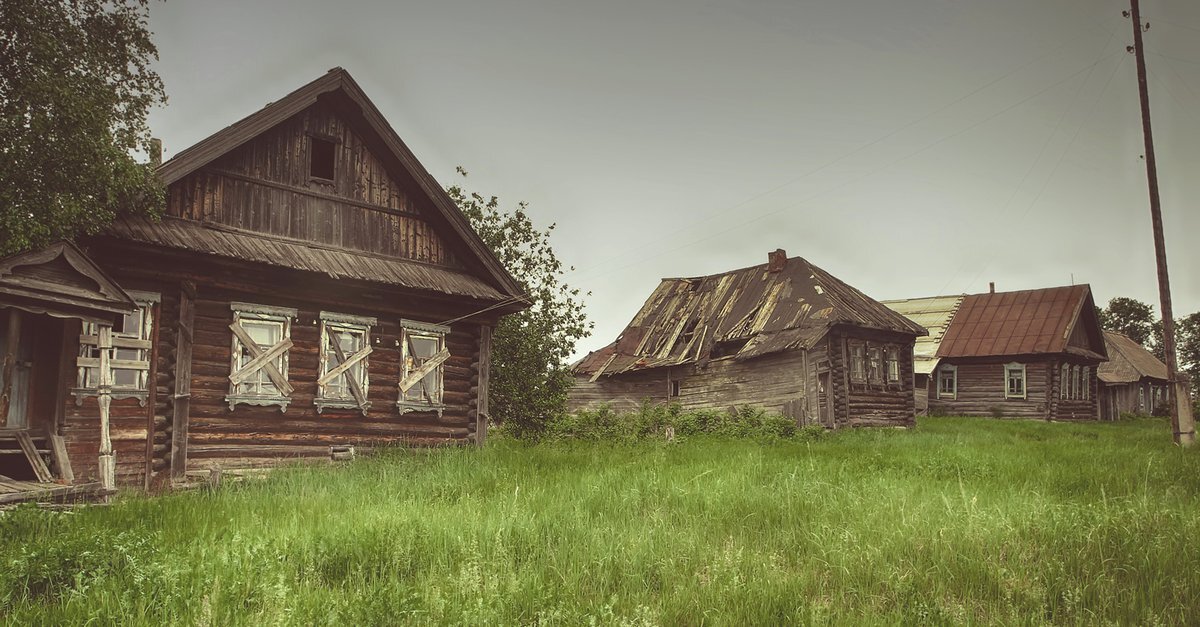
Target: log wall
981 387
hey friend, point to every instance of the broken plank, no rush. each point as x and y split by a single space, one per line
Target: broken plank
62 462
35 460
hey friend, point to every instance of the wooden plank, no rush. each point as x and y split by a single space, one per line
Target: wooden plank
13 339
37 494
183 379
485 366
35 460
58 455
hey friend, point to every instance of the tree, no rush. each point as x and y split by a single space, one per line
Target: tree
1130 317
75 87
529 376
1187 345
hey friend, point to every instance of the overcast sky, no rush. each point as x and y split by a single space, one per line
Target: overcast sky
910 148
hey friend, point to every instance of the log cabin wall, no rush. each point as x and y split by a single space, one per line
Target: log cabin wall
252 435
880 403
265 187
770 382
622 393
981 388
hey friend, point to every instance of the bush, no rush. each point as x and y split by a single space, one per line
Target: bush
655 421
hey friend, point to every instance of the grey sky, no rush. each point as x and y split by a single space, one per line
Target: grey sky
910 148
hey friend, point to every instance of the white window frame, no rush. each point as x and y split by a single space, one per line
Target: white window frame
858 362
434 402
352 377
261 313
950 372
142 341
1087 384
1064 383
892 360
1015 367
875 364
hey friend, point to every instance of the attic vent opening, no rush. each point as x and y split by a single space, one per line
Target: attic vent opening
320 158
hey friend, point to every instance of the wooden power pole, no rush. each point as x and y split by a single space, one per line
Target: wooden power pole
1181 409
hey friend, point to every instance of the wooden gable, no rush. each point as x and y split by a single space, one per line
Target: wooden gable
1087 337
61 281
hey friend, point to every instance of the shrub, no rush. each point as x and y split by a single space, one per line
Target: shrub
654 421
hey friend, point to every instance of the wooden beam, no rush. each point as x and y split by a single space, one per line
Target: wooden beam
13 340
485 365
107 460
183 379
35 460
58 455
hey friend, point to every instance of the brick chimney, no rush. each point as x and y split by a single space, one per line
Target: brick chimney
991 287
777 260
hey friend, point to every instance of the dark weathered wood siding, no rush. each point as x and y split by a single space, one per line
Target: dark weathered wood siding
264 187
981 388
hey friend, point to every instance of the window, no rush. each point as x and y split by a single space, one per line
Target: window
422 357
320 158
948 382
875 364
342 380
857 362
674 389
1087 383
893 364
130 358
258 368
1141 399
1014 377
1075 372
1064 387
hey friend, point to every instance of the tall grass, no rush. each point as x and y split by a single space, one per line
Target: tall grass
956 521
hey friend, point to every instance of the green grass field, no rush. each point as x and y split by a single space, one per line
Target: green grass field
957 521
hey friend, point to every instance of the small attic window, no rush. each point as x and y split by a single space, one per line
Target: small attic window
320 158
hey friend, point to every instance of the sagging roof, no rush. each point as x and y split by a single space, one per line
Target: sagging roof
745 313
226 242
339 80
934 314
1027 322
1128 361
60 280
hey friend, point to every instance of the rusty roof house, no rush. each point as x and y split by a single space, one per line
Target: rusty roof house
1132 380
785 336
310 288
1031 353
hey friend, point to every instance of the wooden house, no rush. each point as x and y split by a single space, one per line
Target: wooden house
934 314
1133 380
311 288
1027 354
785 336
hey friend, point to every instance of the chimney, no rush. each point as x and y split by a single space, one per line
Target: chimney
991 287
777 260
155 152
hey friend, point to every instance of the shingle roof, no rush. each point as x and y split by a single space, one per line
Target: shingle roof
1026 322
1128 361
748 312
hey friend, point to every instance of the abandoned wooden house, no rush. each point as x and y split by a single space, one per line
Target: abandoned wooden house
1133 380
1027 354
934 315
310 288
784 336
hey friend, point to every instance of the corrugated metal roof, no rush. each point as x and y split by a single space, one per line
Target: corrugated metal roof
1026 322
337 263
748 313
934 313
1128 361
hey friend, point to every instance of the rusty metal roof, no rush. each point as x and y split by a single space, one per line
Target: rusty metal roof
934 314
334 262
746 313
1027 322
1128 361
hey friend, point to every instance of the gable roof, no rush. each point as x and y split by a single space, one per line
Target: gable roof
60 280
1027 322
747 313
339 80
1128 361
934 314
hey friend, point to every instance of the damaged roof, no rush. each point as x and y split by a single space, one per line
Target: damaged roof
744 313
1128 361
1027 322
934 314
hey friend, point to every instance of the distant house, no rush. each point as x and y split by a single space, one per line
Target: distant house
1132 380
1031 354
310 288
785 336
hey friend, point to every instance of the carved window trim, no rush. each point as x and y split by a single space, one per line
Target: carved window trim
351 372
892 363
412 365
274 368
1009 370
140 341
858 362
875 364
947 372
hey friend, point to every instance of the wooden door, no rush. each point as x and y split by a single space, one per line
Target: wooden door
824 399
16 357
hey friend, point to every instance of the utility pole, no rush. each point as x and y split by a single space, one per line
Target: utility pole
1181 409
